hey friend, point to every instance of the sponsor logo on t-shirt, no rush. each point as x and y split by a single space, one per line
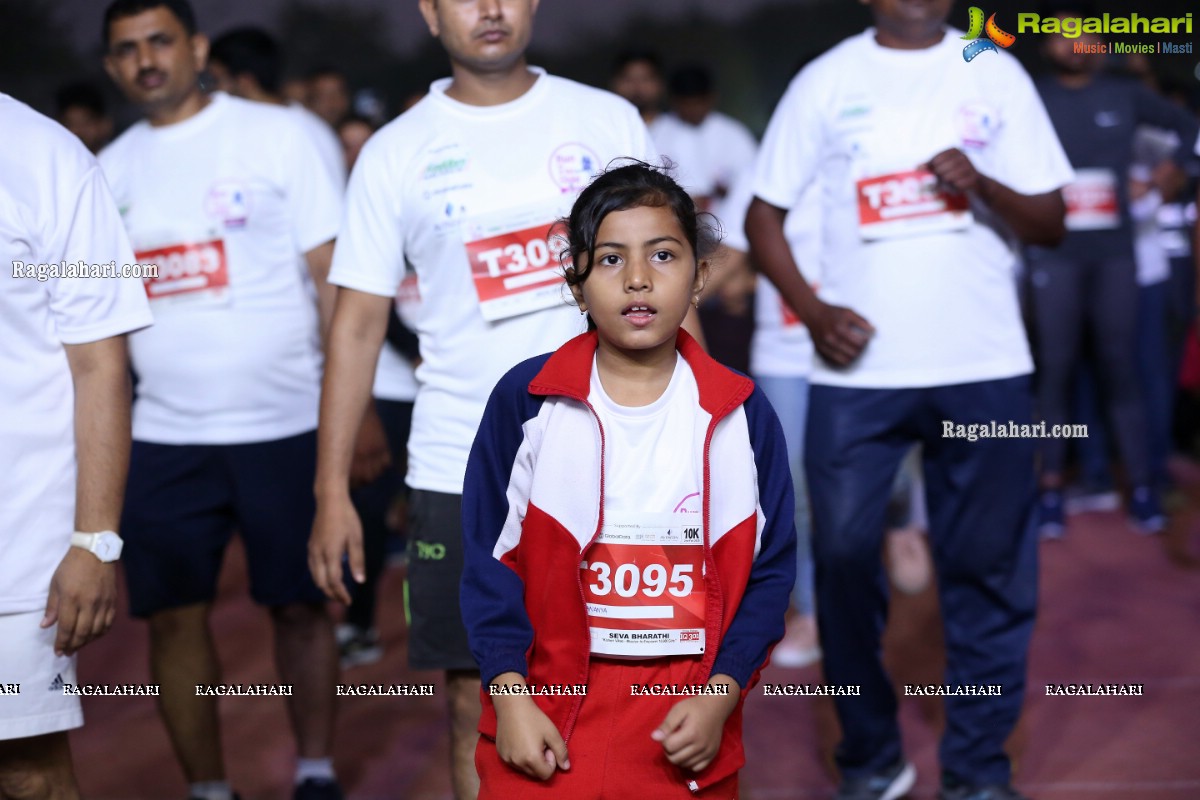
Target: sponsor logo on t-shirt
229 201
572 166
990 30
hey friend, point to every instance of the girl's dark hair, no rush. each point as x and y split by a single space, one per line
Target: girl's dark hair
630 184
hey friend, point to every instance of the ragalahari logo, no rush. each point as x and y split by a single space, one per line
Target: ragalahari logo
995 36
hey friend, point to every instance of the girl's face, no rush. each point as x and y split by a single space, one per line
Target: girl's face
643 279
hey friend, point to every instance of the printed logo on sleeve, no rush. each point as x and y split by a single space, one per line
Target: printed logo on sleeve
643 584
909 203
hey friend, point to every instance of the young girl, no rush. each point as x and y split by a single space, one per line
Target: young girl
628 523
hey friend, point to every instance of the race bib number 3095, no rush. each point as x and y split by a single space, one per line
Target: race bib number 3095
643 583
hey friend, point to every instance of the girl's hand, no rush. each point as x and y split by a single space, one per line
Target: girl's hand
691 732
526 739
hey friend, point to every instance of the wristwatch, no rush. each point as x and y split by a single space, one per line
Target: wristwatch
105 545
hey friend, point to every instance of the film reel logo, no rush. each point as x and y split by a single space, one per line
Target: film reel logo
995 36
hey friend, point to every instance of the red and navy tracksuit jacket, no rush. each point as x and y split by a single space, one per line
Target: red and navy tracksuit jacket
533 503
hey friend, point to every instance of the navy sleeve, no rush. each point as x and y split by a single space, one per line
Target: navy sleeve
759 621
1155 110
492 594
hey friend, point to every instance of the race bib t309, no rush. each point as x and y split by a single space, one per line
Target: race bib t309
643 583
909 203
514 262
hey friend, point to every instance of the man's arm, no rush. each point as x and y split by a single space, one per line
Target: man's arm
319 260
355 337
839 334
83 591
1035 218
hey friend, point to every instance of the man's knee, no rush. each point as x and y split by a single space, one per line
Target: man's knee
299 615
462 691
36 769
180 622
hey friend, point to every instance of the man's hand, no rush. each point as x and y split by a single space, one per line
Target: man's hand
955 171
839 334
371 453
83 600
691 733
336 531
526 739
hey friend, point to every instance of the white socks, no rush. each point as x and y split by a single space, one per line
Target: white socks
210 790
320 768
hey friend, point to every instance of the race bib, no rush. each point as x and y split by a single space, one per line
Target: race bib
408 300
643 582
1092 201
909 203
196 273
514 262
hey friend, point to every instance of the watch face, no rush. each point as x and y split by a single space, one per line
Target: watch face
108 547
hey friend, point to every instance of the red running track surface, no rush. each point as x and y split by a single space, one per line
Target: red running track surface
1115 608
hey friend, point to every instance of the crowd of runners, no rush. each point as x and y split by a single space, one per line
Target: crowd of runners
503 340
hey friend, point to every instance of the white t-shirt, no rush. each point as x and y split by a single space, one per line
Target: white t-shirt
326 140
781 346
652 464
943 302
395 377
446 175
227 203
54 207
710 156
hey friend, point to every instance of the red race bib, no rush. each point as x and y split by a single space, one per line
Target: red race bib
909 203
1092 201
196 272
514 262
643 582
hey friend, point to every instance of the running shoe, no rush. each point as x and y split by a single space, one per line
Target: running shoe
1087 499
357 646
1050 515
891 784
1145 513
798 648
317 789
965 792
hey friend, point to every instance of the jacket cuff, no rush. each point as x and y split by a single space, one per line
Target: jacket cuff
740 669
499 663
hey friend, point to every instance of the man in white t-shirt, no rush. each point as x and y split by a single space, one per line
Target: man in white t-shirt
464 187
64 435
711 149
928 165
230 199
246 62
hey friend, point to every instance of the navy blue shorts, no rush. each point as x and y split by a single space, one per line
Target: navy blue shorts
183 504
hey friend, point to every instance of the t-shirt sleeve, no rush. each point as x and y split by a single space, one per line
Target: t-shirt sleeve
642 146
88 228
314 200
1029 159
369 254
788 158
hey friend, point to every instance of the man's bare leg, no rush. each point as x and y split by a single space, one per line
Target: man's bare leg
462 689
183 656
37 768
307 658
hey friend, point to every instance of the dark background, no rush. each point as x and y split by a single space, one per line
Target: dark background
753 45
